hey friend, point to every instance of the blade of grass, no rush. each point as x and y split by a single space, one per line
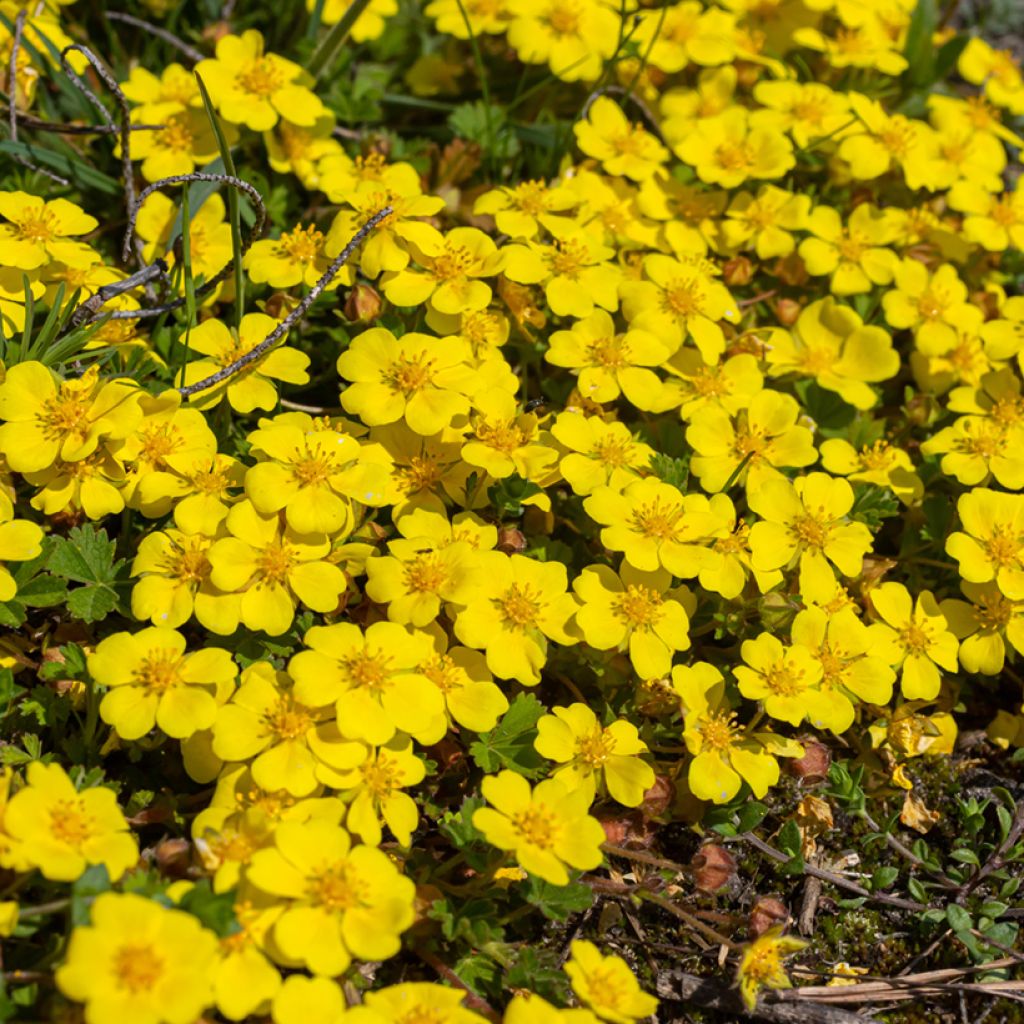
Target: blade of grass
485 91
190 287
327 48
30 316
233 204
49 327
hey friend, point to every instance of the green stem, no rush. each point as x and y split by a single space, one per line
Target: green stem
324 54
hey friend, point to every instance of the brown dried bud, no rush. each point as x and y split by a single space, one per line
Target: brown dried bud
787 311
713 866
738 271
659 797
766 913
630 830
173 857
511 540
791 270
363 304
814 765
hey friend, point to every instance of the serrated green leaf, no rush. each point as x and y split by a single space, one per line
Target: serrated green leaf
557 902
86 555
510 743
43 591
215 910
90 604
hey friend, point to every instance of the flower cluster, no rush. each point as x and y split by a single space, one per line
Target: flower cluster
620 464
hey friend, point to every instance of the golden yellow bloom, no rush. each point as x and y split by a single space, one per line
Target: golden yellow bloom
761 964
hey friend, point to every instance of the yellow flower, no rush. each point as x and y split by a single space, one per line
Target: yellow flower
20 541
590 753
679 300
693 384
61 831
175 88
806 519
489 17
372 678
573 37
300 149
752 445
984 625
296 257
185 141
784 679
154 682
291 745
465 682
853 256
372 788
520 211
725 753
420 379
914 637
830 343
934 305
991 544
576 270
606 985
209 234
420 1001
452 266
685 34
761 964
634 610
656 526
138 961
993 221
607 362
548 828
272 567
200 493
254 88
46 418
40 231
339 901
727 150
621 147
251 387
600 454
370 23
503 440
312 471
532 1009
880 464
807 110
974 449
516 606
425 568
764 222
997 70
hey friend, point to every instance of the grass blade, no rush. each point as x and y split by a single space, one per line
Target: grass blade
190 287
233 204
324 54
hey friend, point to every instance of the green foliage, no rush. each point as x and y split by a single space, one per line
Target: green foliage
87 556
510 743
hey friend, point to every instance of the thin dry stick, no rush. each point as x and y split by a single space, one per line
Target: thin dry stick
191 52
831 876
90 309
294 316
640 857
126 116
36 124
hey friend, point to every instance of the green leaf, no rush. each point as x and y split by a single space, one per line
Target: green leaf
510 743
789 842
830 413
87 556
79 172
557 902
919 49
751 815
883 877
95 881
958 918
215 910
458 828
538 971
91 604
672 471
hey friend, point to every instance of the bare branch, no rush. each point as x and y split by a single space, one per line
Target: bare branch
282 329
191 52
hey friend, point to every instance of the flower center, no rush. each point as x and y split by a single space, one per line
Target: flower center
287 719
638 606
717 730
520 605
568 257
137 968
176 135
735 542
528 197
613 452
608 988
876 456
563 19
851 246
261 78
537 825
505 436
656 520
409 374
159 441
1003 546
1004 214
188 563
455 261
158 671
426 574
442 671
381 776
595 748
369 671
422 474
337 888
684 297
611 353
735 156
275 561
915 637
302 245
66 413
38 227
811 530
69 824
783 679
